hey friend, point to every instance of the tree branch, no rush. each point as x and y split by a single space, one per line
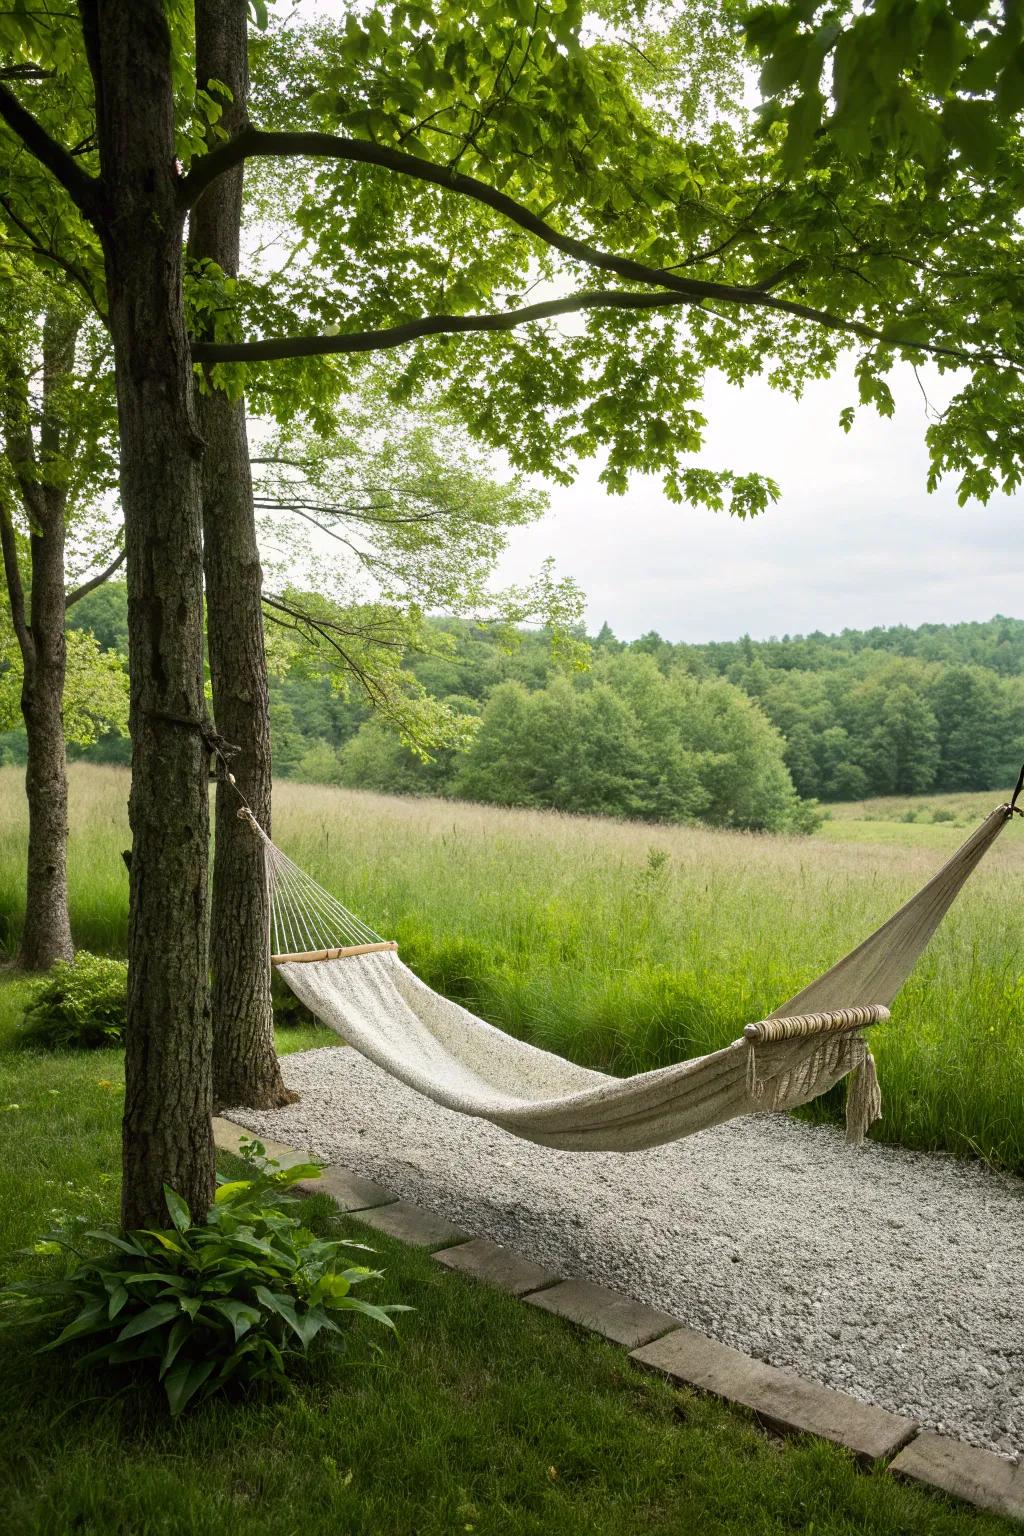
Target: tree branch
96 581
252 142
83 189
26 72
301 621
315 510
274 348
430 325
37 245
15 590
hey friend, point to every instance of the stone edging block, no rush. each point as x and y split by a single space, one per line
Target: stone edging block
493 1265
413 1225
606 1312
781 1400
347 1190
965 1471
228 1137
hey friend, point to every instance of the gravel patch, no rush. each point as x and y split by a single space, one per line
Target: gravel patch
889 1274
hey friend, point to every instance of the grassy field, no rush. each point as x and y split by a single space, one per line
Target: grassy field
910 821
628 946
482 1416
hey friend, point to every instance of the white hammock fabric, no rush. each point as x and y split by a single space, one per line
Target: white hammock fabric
355 982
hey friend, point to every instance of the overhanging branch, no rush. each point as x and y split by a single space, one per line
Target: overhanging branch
252 142
275 348
96 581
83 189
323 629
26 72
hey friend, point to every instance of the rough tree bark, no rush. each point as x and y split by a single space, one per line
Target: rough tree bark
166 1132
245 1064
46 935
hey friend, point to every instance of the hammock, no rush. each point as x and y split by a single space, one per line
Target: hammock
354 981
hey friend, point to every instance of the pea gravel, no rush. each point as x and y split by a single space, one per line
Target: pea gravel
890 1274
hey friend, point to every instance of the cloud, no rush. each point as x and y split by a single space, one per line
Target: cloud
855 539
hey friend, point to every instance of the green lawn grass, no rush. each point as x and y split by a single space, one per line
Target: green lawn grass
627 946
482 1416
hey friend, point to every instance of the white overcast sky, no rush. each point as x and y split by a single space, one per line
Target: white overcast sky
854 540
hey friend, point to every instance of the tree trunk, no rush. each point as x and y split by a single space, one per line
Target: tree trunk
46 935
245 1065
166 1133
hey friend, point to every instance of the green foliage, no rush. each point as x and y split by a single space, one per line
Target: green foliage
898 125
237 1299
103 613
889 137
10 672
412 520
375 757
95 691
861 713
880 711
82 1004
58 433
628 741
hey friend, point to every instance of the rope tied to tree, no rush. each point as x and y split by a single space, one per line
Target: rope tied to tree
222 750
1013 809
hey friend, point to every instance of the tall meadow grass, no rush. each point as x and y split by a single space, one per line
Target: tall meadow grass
625 946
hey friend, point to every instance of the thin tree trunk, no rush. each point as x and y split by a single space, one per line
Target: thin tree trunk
166 1131
245 1065
46 935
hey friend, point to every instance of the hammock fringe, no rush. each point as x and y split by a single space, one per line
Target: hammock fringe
863 1100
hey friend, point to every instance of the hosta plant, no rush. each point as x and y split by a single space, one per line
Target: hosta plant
238 1297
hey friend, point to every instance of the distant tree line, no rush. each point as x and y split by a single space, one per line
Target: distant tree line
742 733
878 712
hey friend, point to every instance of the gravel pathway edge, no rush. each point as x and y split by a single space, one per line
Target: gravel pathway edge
887 1274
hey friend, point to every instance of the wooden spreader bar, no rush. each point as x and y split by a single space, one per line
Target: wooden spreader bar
332 954
836 1021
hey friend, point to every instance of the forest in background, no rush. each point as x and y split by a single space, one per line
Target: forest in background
737 733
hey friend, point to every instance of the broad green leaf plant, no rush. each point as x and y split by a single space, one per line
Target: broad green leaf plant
236 1299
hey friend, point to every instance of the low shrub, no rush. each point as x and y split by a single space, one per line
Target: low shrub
82 1003
238 1298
